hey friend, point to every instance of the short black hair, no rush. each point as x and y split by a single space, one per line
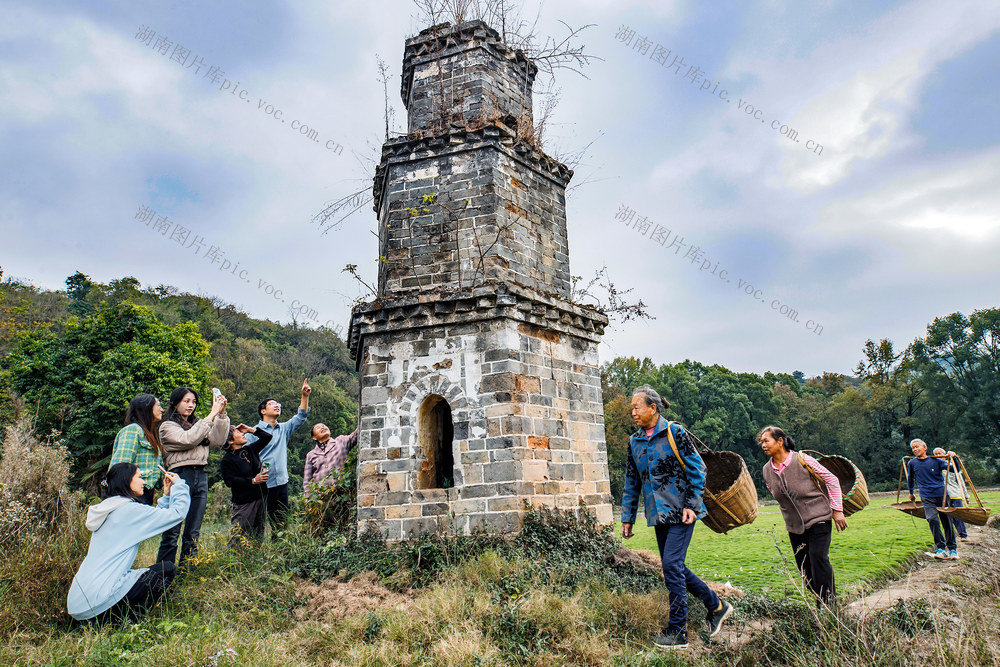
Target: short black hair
260 408
118 481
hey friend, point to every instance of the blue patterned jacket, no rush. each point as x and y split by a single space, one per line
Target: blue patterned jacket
667 487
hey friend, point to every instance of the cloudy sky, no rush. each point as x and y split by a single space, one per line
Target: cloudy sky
835 158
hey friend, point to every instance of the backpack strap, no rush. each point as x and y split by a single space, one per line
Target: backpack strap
817 480
673 446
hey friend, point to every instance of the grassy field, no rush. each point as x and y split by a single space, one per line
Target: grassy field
878 540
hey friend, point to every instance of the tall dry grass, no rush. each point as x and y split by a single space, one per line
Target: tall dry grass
42 532
556 597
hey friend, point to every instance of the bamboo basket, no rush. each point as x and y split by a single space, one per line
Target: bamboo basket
911 507
730 494
977 516
853 486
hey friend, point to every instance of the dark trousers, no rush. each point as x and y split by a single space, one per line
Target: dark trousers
144 593
938 521
248 520
812 556
959 524
673 539
197 480
277 506
147 496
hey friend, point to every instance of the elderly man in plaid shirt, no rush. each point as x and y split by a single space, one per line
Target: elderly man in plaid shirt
327 456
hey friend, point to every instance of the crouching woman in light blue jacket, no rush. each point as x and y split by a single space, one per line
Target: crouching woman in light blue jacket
106 588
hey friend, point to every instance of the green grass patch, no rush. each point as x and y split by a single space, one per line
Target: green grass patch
757 557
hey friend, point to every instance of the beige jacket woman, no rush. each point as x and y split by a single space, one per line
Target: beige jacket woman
184 447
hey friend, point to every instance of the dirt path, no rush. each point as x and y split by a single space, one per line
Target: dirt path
929 577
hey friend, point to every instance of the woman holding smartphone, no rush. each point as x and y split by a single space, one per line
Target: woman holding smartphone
186 441
105 587
243 472
139 442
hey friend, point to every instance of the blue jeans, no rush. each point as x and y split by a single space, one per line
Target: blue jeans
197 481
938 521
673 539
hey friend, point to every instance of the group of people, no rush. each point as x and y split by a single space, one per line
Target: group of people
174 446
663 465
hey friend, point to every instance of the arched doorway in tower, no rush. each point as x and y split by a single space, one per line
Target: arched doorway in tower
437 434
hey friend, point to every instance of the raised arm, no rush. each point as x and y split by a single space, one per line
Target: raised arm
219 433
306 390
260 440
169 511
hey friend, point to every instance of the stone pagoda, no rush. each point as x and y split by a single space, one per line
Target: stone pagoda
480 388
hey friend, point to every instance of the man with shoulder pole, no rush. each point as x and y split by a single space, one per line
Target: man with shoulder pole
927 474
664 465
275 455
957 495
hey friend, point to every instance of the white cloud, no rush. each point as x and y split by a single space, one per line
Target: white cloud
948 208
861 113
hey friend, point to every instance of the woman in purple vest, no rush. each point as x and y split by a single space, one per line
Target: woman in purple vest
807 510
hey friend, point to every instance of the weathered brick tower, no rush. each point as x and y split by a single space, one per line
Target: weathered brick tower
480 387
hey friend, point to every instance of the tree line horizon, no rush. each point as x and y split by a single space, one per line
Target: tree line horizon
72 359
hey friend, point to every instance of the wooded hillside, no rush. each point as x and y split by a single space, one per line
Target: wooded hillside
74 358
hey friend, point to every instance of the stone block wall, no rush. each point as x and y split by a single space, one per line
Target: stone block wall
526 408
482 77
499 212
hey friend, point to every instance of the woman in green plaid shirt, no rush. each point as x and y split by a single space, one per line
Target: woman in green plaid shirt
139 442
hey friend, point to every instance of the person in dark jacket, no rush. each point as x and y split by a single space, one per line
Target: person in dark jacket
927 474
664 465
242 472
806 509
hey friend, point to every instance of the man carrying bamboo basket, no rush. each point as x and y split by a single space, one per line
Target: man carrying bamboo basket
956 493
927 474
665 466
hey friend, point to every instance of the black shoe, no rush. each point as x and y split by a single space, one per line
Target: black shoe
715 618
671 641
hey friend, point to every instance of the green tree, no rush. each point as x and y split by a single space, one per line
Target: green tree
78 286
960 363
80 382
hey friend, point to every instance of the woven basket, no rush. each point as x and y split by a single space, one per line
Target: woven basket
730 495
853 486
911 507
977 516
